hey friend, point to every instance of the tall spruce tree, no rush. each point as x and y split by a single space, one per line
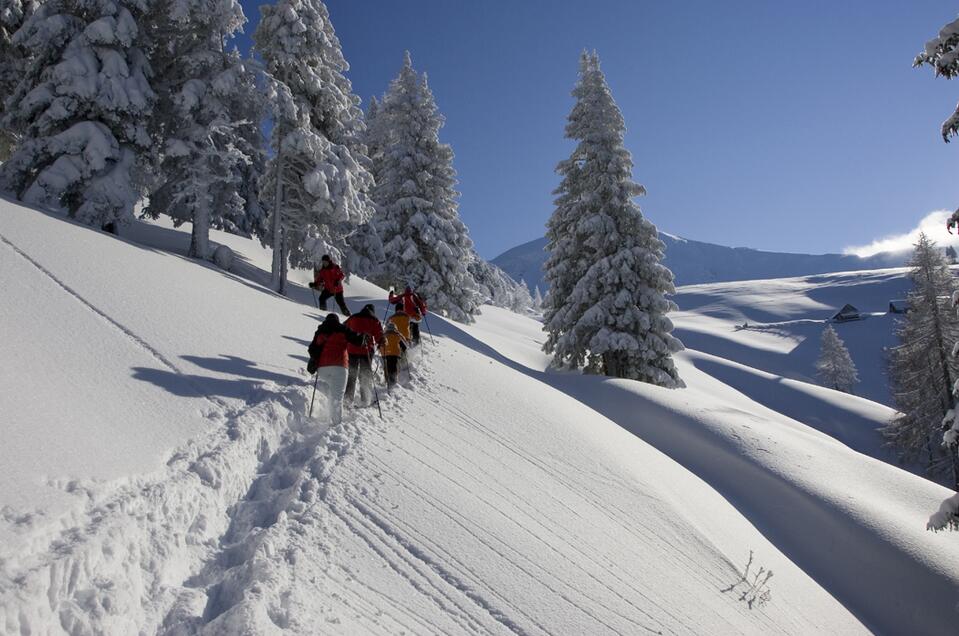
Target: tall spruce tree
425 242
317 183
921 369
835 367
13 60
207 121
80 109
606 310
364 249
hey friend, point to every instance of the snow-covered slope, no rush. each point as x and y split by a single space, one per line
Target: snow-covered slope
162 476
695 262
784 319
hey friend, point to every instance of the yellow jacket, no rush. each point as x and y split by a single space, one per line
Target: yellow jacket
393 344
402 322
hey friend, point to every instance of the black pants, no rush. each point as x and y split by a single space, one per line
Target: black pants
415 332
361 370
326 294
391 368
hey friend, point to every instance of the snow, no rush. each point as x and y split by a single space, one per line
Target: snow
163 476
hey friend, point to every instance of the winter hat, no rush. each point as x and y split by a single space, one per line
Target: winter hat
398 306
408 289
390 327
330 321
326 258
369 307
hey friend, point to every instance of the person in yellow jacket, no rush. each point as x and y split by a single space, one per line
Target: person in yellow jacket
392 348
402 321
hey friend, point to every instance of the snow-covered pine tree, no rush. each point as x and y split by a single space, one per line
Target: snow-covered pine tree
317 183
426 243
522 300
364 249
207 122
921 370
497 288
606 309
942 53
80 110
951 255
835 367
13 13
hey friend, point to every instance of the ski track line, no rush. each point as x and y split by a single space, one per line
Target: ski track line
125 331
397 606
443 509
437 568
589 496
461 521
550 530
442 601
381 518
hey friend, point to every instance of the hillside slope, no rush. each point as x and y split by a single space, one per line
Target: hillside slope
164 477
694 262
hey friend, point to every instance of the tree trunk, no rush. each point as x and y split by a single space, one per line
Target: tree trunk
278 270
200 236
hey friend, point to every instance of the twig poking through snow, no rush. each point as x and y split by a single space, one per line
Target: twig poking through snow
753 588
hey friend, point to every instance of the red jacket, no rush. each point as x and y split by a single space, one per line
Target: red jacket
365 323
328 348
413 304
329 278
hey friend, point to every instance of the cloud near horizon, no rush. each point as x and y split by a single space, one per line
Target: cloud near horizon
934 226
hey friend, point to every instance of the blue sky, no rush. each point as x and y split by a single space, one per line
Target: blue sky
791 126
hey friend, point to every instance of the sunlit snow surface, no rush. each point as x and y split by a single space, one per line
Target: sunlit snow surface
158 473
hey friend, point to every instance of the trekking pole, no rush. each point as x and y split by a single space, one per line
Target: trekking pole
376 395
315 381
430 331
316 300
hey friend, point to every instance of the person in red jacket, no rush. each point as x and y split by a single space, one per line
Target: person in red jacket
368 324
413 306
329 280
329 360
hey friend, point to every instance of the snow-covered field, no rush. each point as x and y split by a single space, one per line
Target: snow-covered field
158 473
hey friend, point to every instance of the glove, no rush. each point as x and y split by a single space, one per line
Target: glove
392 289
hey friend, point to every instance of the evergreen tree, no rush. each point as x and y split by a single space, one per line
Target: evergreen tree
522 300
317 183
835 366
921 370
951 255
207 123
13 59
942 53
607 308
425 242
537 299
80 109
364 252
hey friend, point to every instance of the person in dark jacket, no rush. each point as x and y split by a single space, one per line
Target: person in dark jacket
329 280
329 360
368 324
413 306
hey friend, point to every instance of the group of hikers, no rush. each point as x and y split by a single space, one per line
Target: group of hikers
342 353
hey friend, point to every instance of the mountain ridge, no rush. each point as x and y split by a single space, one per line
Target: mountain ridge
694 262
